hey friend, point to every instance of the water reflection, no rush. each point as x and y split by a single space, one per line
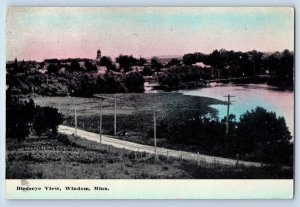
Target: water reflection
250 96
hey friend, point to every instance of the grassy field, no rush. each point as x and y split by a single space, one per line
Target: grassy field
134 113
69 157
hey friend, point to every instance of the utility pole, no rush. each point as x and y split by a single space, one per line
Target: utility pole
154 130
115 110
227 119
115 118
32 88
100 125
75 122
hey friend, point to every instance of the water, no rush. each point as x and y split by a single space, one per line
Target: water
248 97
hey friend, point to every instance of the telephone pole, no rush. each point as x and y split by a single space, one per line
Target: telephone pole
100 125
228 105
75 122
32 89
115 118
154 130
115 110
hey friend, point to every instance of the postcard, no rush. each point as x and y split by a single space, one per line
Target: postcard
150 103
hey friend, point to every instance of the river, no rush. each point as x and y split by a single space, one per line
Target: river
248 97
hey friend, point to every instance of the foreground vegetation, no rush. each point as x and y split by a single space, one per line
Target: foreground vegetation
69 157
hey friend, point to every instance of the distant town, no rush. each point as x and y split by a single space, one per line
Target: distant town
129 74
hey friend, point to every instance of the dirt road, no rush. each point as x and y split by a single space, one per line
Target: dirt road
109 140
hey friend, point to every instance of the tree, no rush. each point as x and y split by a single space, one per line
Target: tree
40 122
18 118
75 66
126 61
174 61
169 79
107 62
90 67
46 118
85 87
147 71
142 61
156 64
134 82
52 68
263 135
188 59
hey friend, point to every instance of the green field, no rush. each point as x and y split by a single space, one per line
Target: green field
69 157
134 113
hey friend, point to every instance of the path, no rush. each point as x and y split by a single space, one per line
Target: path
109 140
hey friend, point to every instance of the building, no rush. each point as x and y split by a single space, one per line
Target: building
98 58
201 65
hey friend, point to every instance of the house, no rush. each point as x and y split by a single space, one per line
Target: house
201 65
102 69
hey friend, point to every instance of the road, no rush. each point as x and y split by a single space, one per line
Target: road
109 140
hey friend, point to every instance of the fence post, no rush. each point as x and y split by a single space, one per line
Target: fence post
154 131
115 118
100 125
214 163
198 158
75 122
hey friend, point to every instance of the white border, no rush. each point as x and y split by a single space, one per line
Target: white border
26 203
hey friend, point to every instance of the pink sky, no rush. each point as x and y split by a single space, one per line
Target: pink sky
39 33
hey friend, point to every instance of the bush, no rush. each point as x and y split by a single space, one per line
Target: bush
46 118
134 82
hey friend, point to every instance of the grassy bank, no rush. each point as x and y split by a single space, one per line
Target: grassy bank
69 157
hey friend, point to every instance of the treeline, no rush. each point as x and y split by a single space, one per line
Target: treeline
23 118
76 82
258 136
182 77
278 65
125 74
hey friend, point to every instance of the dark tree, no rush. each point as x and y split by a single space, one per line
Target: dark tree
126 61
40 121
174 62
264 136
107 62
90 67
75 66
147 71
134 82
52 68
18 118
46 118
155 63
142 61
188 59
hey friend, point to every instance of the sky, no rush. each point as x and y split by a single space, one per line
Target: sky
38 33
